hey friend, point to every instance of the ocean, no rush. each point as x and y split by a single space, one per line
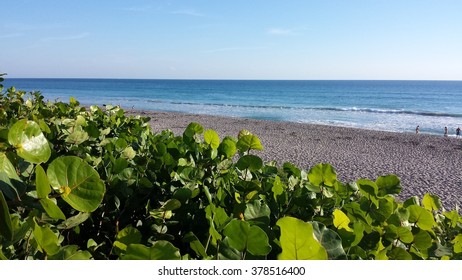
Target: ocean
397 106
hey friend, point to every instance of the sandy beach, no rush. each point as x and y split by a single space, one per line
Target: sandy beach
424 163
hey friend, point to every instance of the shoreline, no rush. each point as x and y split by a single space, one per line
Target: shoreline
425 163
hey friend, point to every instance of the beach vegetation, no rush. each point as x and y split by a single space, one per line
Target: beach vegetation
94 183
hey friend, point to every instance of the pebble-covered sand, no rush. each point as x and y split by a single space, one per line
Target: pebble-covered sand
424 163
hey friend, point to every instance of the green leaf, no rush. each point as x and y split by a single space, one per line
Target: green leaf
160 250
2 256
341 221
405 235
212 138
71 252
170 205
6 229
369 189
52 209
7 167
244 237
237 232
9 178
251 162
322 173
125 237
453 218
195 244
422 217
228 147
29 141
182 194
41 182
413 200
74 221
249 142
257 212
193 129
278 190
298 241
128 153
384 209
77 137
398 253
46 238
330 240
389 184
431 202
457 241
402 233
78 183
422 240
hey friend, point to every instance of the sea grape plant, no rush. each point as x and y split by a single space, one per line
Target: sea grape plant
93 183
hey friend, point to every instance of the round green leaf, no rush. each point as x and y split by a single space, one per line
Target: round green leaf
258 242
431 202
405 235
398 253
384 209
125 237
257 212
193 129
368 189
78 183
322 173
128 153
421 216
422 240
298 241
244 237
389 184
330 240
228 147
249 142
29 141
77 137
251 162
160 250
212 138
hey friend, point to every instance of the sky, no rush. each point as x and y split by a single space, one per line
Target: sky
238 39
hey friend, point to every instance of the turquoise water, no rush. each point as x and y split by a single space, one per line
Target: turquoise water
380 105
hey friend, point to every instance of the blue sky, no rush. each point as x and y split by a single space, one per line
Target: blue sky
239 39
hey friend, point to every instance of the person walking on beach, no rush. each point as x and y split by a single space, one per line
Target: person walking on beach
445 131
458 132
417 130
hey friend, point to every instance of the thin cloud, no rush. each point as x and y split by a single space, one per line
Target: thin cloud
46 40
13 35
66 38
138 8
232 49
281 32
188 12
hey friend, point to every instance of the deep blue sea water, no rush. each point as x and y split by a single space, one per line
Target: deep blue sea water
380 105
